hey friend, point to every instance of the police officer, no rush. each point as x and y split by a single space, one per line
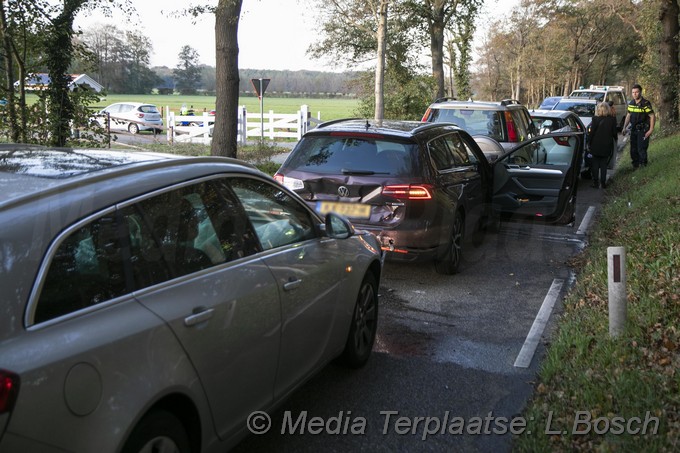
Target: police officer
641 119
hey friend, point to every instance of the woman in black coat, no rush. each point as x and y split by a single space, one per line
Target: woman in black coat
602 140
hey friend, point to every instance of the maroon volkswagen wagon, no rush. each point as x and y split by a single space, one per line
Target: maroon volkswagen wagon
425 188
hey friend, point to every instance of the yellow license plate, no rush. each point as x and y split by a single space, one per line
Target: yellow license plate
355 210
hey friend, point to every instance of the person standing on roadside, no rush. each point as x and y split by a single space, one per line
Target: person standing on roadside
602 140
641 119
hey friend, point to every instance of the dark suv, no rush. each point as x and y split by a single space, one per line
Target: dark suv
507 121
423 188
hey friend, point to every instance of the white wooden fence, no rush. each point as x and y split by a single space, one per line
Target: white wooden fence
269 126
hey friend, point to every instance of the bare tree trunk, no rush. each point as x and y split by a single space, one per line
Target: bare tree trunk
380 65
9 74
668 96
225 131
436 48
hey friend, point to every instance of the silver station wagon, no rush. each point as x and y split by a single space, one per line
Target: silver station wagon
152 302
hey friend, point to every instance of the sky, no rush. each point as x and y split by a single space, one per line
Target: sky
273 34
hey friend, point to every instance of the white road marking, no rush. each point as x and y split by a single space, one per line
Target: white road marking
585 223
529 348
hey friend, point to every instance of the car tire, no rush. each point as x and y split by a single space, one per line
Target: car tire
158 431
133 128
449 263
364 325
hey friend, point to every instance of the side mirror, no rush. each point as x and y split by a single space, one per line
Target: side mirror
338 227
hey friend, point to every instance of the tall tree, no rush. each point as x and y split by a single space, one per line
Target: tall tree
381 38
436 16
59 50
668 62
20 27
187 74
360 31
462 34
225 132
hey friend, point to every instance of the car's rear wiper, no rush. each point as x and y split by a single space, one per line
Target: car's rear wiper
346 171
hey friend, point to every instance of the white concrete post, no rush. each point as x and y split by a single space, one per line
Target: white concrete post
616 271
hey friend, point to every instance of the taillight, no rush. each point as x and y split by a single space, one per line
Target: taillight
427 115
9 389
512 130
139 115
408 192
291 183
562 141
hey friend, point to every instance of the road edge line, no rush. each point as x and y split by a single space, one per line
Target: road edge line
585 223
526 354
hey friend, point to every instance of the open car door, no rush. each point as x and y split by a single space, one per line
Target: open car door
539 178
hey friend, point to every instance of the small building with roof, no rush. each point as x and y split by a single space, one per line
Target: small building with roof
41 80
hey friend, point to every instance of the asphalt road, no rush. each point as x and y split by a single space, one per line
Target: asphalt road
447 353
451 351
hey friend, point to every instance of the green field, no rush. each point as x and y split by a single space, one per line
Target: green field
329 109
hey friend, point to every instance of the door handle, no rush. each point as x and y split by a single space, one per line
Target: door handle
199 316
292 284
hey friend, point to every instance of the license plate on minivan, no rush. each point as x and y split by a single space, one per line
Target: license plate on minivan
355 210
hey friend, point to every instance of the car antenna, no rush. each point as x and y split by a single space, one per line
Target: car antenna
368 125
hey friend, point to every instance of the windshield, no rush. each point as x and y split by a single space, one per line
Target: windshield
597 95
582 109
476 122
148 109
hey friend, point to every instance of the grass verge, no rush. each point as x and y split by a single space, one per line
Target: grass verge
592 389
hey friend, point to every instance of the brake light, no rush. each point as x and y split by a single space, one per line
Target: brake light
408 192
291 183
139 115
9 389
427 115
562 141
512 130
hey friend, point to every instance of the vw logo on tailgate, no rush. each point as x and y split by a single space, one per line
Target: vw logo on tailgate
343 191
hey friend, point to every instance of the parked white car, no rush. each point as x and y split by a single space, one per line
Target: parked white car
131 116
616 95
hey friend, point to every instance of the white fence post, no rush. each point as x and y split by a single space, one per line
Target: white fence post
243 123
206 127
271 125
298 125
170 125
304 126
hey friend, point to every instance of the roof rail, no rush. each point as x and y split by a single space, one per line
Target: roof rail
331 122
509 102
607 87
444 99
